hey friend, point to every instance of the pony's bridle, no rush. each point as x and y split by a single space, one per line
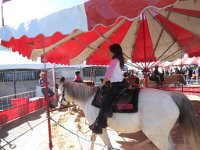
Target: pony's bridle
63 95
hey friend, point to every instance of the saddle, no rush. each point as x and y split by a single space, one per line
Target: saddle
125 102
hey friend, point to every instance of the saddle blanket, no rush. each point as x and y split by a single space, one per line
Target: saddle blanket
126 102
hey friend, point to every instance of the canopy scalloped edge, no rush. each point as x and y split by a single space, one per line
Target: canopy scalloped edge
64 21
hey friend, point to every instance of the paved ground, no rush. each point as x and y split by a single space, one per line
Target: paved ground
28 132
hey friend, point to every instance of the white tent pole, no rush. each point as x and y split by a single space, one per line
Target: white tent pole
2 19
54 74
54 78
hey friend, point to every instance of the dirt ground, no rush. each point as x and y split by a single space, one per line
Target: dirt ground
75 134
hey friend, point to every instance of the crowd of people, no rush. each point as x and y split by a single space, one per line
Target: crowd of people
191 73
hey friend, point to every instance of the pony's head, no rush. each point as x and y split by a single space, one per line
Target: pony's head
60 85
76 90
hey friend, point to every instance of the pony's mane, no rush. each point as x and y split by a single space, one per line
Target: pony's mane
79 90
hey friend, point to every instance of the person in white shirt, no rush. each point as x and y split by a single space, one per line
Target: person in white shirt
112 83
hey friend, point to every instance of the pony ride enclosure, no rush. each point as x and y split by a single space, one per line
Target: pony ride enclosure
158 111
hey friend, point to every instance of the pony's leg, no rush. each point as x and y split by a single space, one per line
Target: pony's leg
105 138
92 138
59 100
160 138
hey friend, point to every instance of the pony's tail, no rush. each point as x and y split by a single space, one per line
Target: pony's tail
187 119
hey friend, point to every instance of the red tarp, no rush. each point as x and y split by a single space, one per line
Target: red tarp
21 107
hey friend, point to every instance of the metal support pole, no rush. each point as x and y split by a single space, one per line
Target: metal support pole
47 96
15 90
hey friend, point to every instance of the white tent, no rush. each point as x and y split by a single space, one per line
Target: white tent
11 60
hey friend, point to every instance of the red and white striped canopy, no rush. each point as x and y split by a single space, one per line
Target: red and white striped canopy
152 34
189 61
195 61
179 61
186 61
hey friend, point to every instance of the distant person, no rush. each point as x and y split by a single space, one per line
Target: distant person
167 73
157 76
126 75
193 78
177 71
78 77
131 79
190 74
43 88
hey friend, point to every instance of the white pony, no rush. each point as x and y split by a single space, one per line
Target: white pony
157 113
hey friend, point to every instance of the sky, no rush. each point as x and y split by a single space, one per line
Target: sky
18 11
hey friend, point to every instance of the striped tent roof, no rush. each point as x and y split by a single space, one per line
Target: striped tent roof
146 33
